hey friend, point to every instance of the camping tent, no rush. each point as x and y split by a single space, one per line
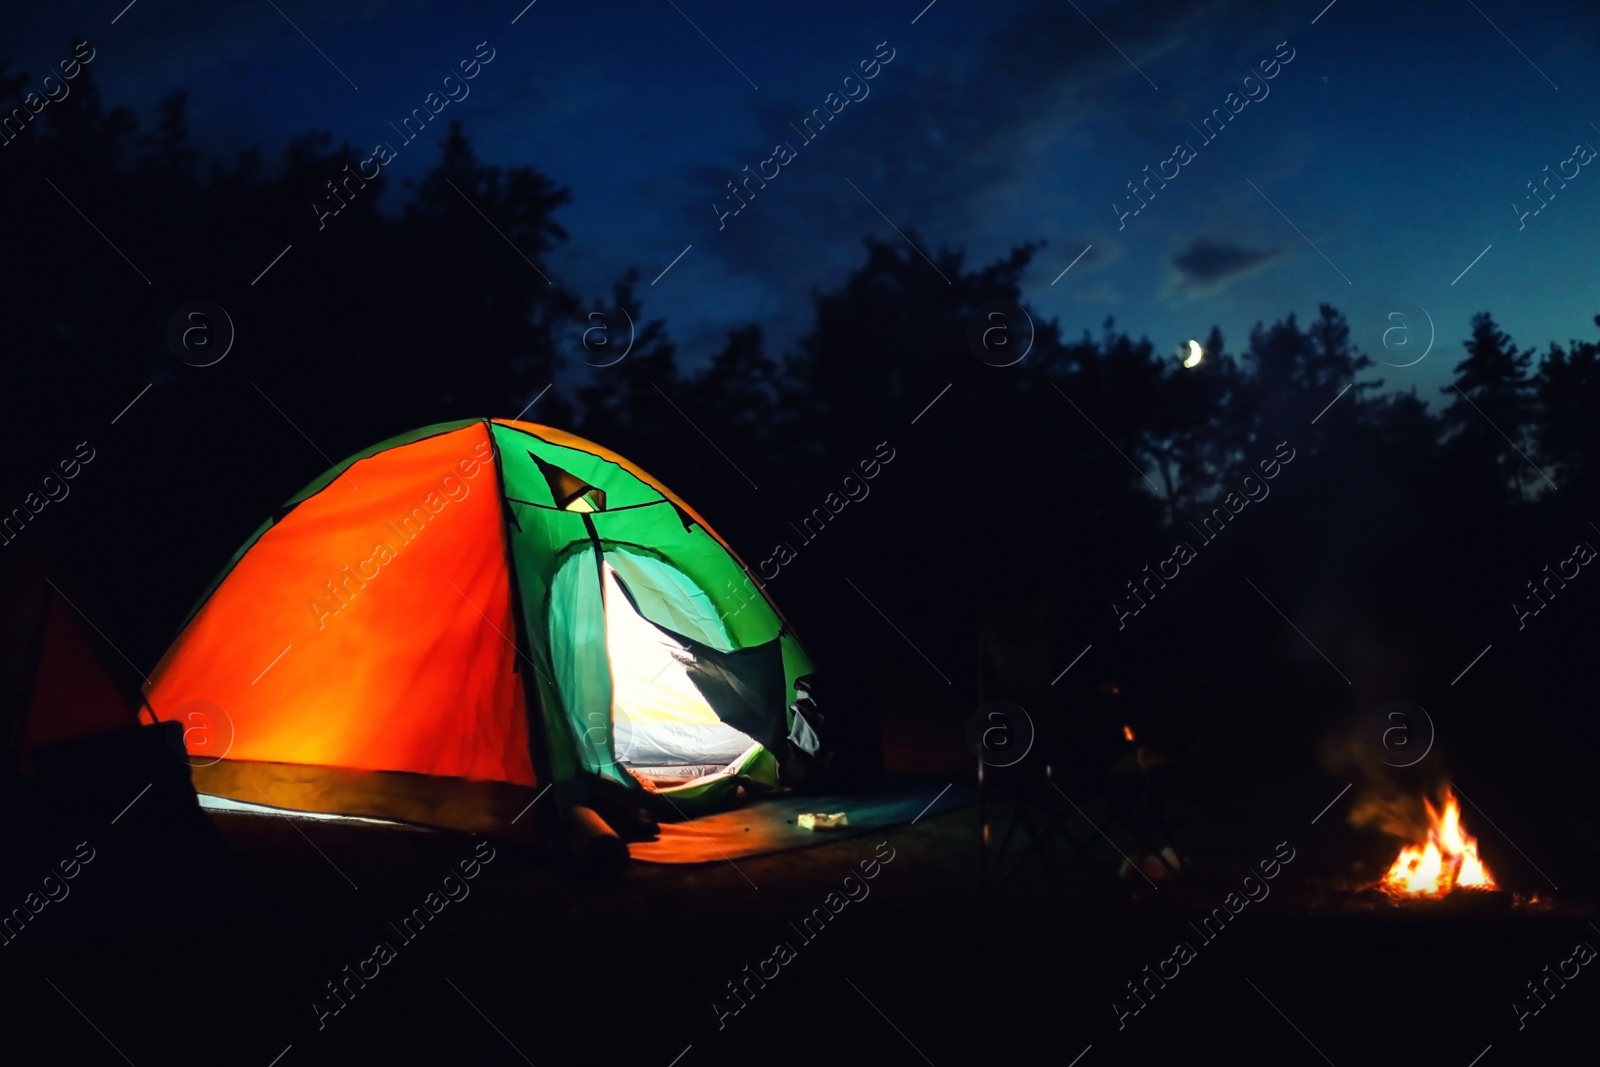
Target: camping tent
445 624
56 682
76 761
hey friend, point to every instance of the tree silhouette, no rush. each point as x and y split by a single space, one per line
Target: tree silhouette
1026 490
1487 422
1567 394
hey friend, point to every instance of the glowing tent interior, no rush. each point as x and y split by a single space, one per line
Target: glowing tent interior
444 625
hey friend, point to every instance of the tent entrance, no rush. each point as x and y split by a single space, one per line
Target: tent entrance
665 733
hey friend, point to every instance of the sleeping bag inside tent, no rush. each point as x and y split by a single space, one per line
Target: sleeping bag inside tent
444 625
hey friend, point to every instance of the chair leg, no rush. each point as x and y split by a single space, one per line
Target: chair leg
1044 815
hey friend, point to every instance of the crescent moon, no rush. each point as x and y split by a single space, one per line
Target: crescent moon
1196 354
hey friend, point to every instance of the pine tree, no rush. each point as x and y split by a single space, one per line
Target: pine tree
1567 398
1487 423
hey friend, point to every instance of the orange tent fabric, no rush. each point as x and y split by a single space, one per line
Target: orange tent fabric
371 628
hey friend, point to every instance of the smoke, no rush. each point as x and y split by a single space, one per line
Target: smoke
1384 751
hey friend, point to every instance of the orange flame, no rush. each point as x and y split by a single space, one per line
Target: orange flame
1448 860
1127 732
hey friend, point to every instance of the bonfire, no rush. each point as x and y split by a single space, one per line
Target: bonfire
1447 860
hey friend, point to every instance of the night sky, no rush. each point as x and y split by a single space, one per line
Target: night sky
1079 553
1369 171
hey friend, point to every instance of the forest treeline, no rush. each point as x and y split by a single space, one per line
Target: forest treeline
1021 504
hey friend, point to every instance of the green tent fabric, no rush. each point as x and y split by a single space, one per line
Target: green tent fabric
676 573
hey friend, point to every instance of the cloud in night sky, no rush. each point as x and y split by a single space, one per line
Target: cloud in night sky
938 139
955 147
1207 265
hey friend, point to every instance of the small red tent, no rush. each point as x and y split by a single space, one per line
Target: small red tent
56 682
77 765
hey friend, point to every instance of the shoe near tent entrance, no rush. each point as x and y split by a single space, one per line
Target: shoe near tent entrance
449 623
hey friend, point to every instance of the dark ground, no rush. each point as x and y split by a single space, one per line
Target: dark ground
927 967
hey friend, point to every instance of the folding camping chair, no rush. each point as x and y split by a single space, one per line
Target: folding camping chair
1085 788
1085 783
